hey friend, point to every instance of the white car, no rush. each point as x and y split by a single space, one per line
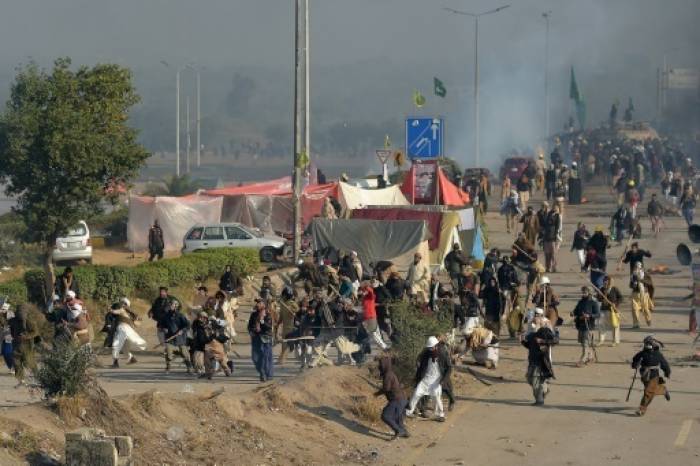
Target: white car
76 245
234 235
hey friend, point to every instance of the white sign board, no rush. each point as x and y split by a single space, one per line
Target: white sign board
683 78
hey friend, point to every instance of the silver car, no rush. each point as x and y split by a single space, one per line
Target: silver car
76 245
234 235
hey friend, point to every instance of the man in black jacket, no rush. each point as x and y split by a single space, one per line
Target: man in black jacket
635 256
174 326
599 241
509 283
454 261
433 367
156 244
539 369
159 308
394 412
260 330
650 361
585 314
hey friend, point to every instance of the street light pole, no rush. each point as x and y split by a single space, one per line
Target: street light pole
187 126
546 15
476 17
199 122
307 82
297 137
177 123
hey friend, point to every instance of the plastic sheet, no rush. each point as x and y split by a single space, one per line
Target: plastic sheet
176 215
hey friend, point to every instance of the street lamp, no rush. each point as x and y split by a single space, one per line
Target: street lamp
546 15
476 17
199 114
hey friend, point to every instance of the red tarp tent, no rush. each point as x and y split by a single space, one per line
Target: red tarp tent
268 205
449 194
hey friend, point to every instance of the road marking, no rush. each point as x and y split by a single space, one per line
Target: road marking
442 429
683 433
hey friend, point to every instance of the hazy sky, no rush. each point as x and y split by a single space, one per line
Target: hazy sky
615 45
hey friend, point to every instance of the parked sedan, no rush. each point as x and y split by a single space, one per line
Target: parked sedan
233 235
76 245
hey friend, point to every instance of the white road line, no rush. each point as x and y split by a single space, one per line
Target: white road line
683 433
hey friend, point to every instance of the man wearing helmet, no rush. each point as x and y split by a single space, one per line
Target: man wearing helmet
650 361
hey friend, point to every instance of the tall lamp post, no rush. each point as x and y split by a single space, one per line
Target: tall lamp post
177 113
199 113
546 15
476 17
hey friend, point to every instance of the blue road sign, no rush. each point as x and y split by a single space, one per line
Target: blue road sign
424 137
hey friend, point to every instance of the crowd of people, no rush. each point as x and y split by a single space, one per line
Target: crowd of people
336 300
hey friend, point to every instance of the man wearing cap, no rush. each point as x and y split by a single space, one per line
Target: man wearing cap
121 334
546 299
537 321
585 313
78 324
418 279
433 366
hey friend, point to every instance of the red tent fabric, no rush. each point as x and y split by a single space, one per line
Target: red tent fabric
433 219
278 194
450 194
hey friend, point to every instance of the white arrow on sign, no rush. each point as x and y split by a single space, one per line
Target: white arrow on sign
422 143
435 127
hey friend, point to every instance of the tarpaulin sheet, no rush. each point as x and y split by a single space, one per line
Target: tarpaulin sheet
449 194
176 215
274 213
433 219
466 219
352 197
373 240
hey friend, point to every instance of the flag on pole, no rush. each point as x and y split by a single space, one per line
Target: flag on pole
440 89
418 99
574 93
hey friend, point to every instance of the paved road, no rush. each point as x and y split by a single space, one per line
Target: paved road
586 420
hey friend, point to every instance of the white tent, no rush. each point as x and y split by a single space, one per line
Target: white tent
176 215
353 197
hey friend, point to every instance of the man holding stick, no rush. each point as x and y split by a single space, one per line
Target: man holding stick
650 361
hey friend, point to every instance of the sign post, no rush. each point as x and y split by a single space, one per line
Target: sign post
424 137
383 156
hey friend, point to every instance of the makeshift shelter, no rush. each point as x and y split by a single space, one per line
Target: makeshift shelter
426 183
176 215
373 240
268 205
447 227
353 197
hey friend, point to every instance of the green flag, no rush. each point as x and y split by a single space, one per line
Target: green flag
440 89
574 93
418 99
303 159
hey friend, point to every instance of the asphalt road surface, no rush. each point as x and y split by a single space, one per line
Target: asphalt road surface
585 420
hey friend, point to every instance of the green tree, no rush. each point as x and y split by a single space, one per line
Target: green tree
64 138
173 186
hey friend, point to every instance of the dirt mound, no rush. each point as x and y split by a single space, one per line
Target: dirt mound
270 425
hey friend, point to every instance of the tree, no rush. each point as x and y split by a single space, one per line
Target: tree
64 138
238 98
173 186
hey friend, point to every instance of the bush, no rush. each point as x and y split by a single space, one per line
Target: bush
106 283
413 329
64 369
14 290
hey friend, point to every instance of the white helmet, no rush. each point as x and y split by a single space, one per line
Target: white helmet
432 342
125 301
5 307
545 281
539 311
70 294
